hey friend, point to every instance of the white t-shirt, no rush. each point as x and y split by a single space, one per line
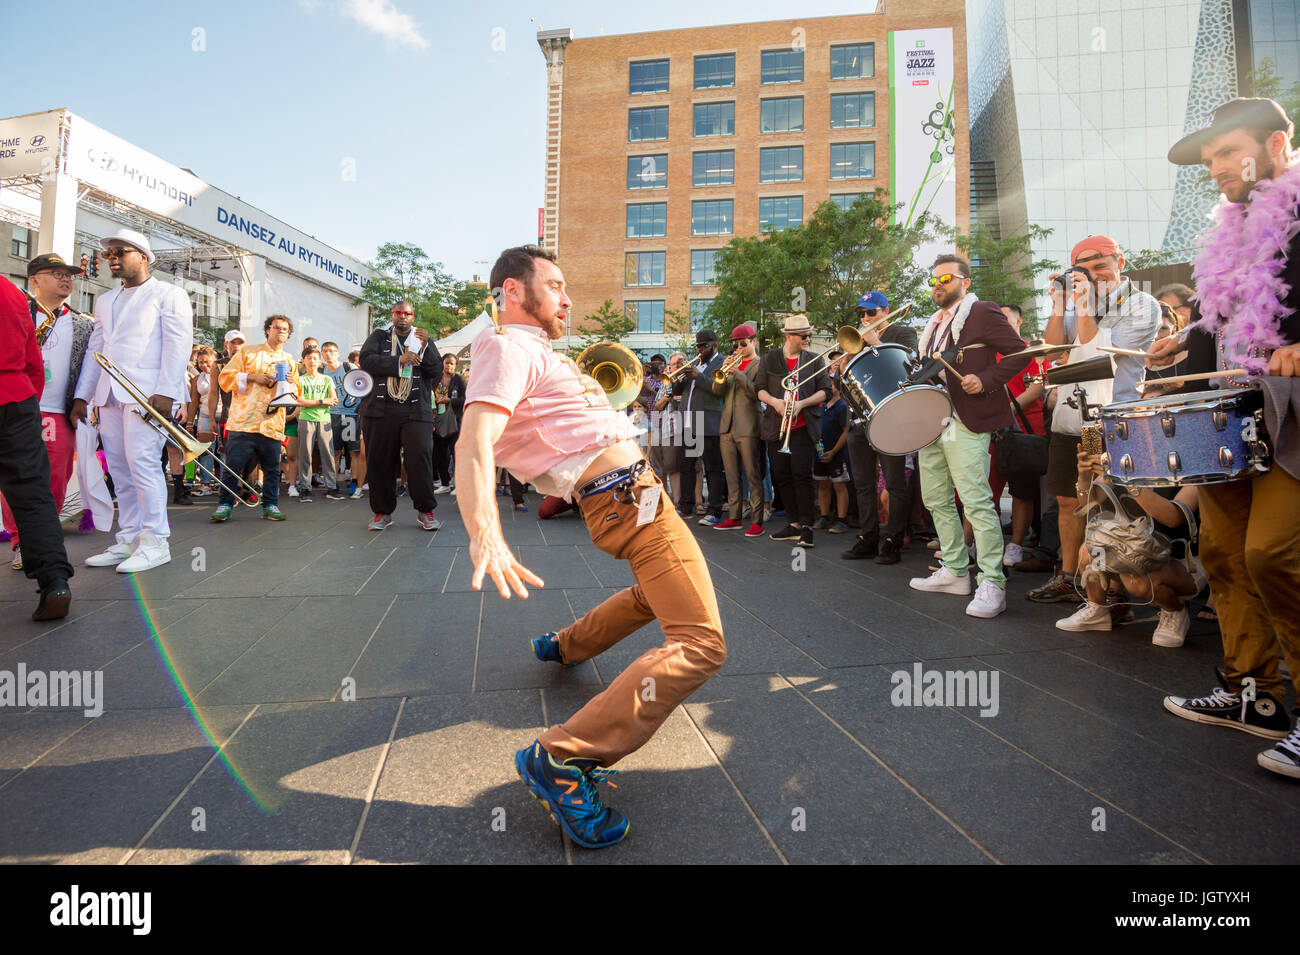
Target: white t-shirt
1067 420
57 352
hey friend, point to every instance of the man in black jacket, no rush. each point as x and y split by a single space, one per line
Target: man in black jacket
863 457
701 418
397 416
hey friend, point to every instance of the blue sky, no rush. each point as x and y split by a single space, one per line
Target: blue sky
445 132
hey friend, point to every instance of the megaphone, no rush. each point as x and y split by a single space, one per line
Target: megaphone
284 393
358 383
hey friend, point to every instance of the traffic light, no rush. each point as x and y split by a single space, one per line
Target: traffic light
94 266
85 263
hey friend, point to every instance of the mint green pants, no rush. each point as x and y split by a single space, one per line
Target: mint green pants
959 459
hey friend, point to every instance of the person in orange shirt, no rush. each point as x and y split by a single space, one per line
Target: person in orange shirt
250 377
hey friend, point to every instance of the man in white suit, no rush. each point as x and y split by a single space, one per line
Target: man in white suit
146 328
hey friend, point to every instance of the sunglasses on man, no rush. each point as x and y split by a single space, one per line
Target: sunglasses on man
867 311
942 279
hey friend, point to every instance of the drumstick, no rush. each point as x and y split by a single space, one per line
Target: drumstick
939 355
1127 351
1202 376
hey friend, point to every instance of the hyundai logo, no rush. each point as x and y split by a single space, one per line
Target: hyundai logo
38 140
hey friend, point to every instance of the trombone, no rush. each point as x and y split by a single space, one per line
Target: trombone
191 447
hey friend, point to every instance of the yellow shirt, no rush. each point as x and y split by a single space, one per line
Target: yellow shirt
248 401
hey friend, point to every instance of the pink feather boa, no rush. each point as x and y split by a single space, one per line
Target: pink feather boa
1238 275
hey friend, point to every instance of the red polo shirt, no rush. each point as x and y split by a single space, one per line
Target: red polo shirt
22 370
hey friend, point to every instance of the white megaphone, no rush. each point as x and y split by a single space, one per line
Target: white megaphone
284 393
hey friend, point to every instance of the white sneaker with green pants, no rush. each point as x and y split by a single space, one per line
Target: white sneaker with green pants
959 458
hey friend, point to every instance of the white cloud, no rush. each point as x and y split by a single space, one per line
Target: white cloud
380 16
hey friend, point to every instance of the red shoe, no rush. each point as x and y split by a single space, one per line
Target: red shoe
552 506
727 525
755 530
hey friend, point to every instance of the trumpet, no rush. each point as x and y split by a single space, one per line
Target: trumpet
191 447
672 376
731 364
848 340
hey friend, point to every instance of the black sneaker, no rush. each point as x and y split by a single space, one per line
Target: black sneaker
787 533
889 553
401 490
1060 589
805 538
822 524
1284 758
862 549
334 494
304 497
1262 717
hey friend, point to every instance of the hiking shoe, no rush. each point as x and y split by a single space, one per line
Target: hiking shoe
1090 616
942 581
220 515
862 549
568 790
754 530
379 522
1060 589
547 649
787 533
1284 758
805 538
1262 717
727 525
428 521
272 513
1172 628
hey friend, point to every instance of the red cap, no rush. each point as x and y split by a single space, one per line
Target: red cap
742 332
1101 244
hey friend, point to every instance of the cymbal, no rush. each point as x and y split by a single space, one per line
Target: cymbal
1039 350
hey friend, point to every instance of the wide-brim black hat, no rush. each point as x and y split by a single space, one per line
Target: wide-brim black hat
1240 113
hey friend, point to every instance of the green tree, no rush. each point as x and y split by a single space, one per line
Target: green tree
606 324
404 271
1264 81
1003 270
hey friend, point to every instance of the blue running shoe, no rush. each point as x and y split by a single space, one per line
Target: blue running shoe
547 649
568 790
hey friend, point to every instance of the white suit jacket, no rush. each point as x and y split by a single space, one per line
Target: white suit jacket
149 339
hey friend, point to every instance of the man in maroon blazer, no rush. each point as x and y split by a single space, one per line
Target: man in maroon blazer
959 458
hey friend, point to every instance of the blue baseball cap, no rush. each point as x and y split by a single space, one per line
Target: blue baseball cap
873 300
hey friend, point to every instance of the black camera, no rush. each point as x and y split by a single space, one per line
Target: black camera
1063 281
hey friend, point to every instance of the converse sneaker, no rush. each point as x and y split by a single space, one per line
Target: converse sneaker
1090 616
1261 717
942 581
1172 628
990 600
1284 758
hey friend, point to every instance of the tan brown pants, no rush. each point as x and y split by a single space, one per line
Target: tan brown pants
739 451
672 584
1250 546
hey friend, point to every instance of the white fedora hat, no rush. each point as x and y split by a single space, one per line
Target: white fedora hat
132 238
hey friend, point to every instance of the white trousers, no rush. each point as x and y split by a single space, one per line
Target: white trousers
133 448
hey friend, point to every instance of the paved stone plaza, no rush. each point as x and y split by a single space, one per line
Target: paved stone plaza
368 704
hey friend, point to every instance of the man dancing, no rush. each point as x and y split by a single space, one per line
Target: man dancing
1247 315
146 328
529 409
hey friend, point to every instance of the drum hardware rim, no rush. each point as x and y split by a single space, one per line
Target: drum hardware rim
1175 461
898 394
1225 456
1121 429
1126 464
1168 425
1220 420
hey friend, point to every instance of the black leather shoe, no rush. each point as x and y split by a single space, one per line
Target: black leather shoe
888 552
55 600
861 550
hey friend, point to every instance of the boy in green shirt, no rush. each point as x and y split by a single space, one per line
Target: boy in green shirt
317 392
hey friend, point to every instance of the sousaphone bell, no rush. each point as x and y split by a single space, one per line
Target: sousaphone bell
616 369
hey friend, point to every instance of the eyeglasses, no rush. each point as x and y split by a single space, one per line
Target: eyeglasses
117 252
942 279
58 273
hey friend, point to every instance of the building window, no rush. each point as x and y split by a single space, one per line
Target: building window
853 110
711 217
87 302
647 220
648 315
715 119
702 267
716 168
648 123
20 247
647 172
780 164
643 268
779 212
782 66
699 312
853 160
781 115
715 70
648 76
846 199
853 61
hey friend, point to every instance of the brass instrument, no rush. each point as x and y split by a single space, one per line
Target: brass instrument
191 447
884 321
787 422
848 340
731 364
671 377
616 369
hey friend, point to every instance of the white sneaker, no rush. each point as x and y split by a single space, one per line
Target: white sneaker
17 562
1172 628
150 552
113 556
293 490
444 489
990 600
942 581
1090 616
1012 555
932 544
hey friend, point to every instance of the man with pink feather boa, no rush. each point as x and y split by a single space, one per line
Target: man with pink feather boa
1247 315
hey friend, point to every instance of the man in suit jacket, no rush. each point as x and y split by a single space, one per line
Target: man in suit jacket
959 458
701 418
792 472
738 433
146 328
863 457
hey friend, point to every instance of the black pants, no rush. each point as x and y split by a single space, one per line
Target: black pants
442 451
862 463
714 473
390 440
245 447
792 473
25 483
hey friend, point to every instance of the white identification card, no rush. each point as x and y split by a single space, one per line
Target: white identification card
648 506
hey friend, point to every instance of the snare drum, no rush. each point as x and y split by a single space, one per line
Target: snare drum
1205 437
899 417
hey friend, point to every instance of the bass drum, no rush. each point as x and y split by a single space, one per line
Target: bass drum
899 417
